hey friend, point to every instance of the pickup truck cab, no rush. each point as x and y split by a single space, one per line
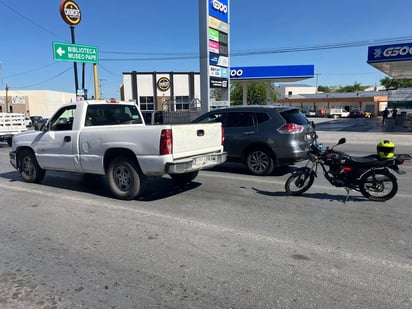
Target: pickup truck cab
106 138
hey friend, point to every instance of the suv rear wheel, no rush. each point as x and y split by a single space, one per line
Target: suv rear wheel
259 162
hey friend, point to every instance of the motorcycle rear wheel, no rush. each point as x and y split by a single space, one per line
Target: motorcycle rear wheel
299 183
378 186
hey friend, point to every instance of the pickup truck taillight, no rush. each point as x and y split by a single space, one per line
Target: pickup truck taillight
223 136
166 142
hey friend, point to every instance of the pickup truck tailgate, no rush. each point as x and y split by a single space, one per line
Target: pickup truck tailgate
195 139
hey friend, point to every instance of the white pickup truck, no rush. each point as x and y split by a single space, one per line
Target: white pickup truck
106 138
11 124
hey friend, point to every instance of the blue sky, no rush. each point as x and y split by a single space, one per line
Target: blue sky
146 35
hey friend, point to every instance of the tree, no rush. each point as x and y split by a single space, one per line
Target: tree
353 88
392 84
256 93
324 89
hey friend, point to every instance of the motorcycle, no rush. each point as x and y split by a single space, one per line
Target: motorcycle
369 175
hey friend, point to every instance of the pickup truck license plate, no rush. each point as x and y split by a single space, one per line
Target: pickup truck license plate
200 160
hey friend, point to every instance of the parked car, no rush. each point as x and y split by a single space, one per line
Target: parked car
27 121
37 122
356 113
338 113
310 113
367 114
408 121
263 137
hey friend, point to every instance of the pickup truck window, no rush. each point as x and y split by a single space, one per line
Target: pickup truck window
63 120
111 114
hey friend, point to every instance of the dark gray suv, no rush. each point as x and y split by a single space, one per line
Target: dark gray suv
263 136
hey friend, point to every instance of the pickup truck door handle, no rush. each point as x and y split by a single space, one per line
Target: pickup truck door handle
200 132
67 139
248 133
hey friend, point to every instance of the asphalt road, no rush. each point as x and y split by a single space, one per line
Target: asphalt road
228 240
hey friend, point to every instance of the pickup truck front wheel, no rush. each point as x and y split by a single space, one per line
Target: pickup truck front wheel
29 169
126 181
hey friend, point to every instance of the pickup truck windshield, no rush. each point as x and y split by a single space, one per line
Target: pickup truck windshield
112 114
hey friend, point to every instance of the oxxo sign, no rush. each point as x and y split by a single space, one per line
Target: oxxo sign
219 6
236 73
70 12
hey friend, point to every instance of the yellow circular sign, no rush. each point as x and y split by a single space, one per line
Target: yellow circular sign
70 12
163 83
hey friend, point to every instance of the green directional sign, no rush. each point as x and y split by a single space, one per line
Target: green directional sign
75 52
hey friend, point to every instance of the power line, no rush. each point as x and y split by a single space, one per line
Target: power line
31 71
243 53
29 20
44 81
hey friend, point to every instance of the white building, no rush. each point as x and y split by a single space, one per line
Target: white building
284 91
34 102
161 90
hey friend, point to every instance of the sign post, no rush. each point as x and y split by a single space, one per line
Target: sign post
71 14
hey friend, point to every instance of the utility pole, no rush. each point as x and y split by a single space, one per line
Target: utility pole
100 87
7 98
317 81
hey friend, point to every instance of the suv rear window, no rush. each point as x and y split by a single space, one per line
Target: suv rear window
295 116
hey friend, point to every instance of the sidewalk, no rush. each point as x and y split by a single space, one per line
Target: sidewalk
372 135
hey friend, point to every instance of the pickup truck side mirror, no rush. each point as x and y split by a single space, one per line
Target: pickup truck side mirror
45 127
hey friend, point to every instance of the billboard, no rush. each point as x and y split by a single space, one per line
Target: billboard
219 9
393 52
275 72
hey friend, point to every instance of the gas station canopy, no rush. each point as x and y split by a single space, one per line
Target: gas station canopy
394 60
281 73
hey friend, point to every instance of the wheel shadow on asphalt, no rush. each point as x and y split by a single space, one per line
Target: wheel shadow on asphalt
157 188
319 196
239 168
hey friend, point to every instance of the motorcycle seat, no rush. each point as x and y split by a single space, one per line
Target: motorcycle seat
368 160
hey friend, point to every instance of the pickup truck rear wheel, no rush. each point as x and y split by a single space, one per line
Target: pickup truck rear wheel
29 169
126 181
184 178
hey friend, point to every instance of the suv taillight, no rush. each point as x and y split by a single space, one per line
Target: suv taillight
290 128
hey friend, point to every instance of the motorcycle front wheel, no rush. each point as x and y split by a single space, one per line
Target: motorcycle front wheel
378 185
299 183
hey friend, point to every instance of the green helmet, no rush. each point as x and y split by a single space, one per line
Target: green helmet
385 149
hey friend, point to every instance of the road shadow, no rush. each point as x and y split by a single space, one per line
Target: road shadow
320 196
157 188
239 168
